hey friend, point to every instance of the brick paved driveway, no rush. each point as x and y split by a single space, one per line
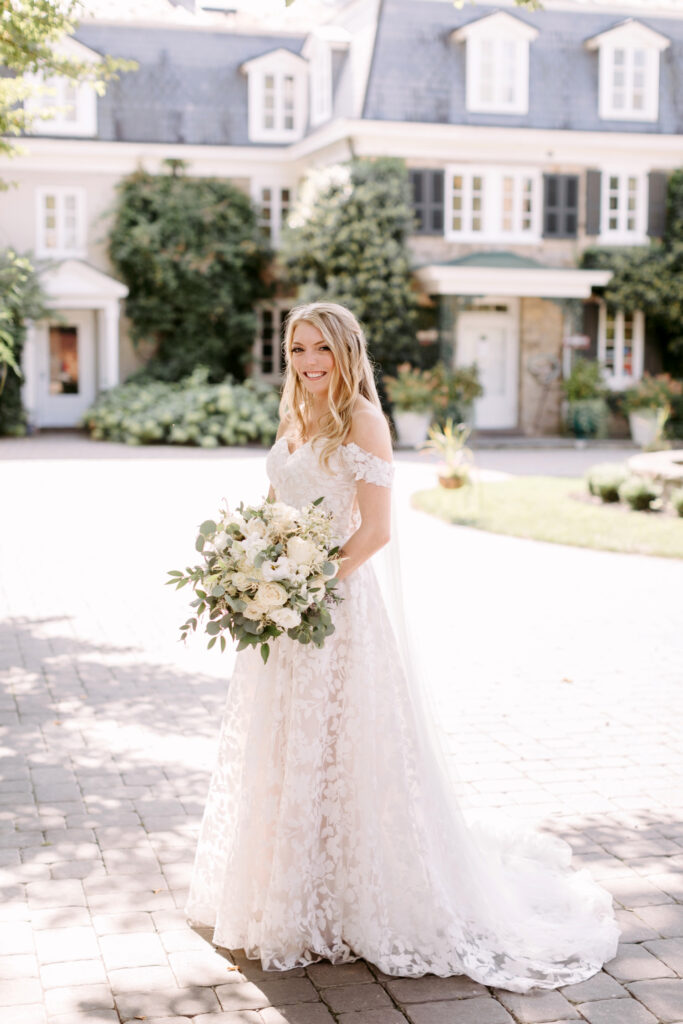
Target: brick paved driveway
559 677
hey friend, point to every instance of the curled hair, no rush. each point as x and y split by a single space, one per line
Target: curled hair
351 376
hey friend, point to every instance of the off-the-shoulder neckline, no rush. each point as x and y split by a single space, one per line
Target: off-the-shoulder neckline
349 444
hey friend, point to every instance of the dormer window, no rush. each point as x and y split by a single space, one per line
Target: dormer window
277 96
497 63
74 104
629 71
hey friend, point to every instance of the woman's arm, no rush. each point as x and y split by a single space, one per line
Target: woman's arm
369 430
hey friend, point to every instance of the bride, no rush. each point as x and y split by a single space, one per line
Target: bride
331 828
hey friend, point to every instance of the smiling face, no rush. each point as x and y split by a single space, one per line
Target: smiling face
311 359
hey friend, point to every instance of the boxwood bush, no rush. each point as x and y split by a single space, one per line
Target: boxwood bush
638 492
605 479
190 411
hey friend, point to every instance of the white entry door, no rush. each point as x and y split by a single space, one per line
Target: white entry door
66 368
490 341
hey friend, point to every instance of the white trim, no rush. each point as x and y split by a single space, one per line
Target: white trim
60 193
278 205
510 321
629 33
618 380
538 282
320 81
493 43
495 181
277 307
628 39
622 234
78 116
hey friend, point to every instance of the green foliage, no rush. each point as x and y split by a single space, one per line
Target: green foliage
455 392
412 389
638 492
192 411
30 30
346 243
650 278
450 442
584 381
677 501
653 393
21 299
194 259
605 479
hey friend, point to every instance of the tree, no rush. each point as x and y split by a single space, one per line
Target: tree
650 278
21 299
30 34
195 262
346 243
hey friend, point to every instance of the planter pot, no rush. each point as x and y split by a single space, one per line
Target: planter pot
587 417
412 427
452 481
645 425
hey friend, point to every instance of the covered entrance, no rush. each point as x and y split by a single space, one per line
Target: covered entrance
486 290
74 353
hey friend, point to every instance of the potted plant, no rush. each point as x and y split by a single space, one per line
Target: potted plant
585 391
449 441
411 393
648 404
455 393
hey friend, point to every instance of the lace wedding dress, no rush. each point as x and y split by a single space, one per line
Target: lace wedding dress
332 831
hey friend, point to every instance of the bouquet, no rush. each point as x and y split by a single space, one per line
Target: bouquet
267 569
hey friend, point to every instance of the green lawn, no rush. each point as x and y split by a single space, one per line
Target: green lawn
540 507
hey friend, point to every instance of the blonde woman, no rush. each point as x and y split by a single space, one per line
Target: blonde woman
331 829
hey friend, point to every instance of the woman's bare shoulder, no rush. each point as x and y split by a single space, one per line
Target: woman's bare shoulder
370 430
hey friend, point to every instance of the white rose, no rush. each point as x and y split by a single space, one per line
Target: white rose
316 587
254 546
255 528
286 618
270 595
252 611
240 580
301 551
283 515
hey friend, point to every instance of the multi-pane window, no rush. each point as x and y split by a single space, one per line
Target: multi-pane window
61 222
268 354
498 75
278 103
630 82
428 201
560 205
491 203
71 108
623 204
620 346
274 204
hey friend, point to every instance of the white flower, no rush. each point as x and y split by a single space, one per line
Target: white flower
286 618
220 540
302 551
241 581
283 516
316 588
269 596
255 527
253 546
281 569
252 611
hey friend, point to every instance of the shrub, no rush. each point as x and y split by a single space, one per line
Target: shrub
21 299
191 411
605 479
584 381
651 392
677 501
638 492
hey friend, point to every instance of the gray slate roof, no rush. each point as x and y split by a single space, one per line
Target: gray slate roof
419 75
188 87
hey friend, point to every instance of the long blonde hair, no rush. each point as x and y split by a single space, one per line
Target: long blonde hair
351 376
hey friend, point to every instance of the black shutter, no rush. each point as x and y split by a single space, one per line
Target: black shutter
593 182
591 314
560 205
656 209
428 201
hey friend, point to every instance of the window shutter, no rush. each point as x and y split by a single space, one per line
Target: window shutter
591 314
428 202
656 211
593 183
560 212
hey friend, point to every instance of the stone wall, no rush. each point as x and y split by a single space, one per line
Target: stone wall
541 329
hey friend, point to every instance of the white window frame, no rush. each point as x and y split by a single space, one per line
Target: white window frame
629 37
279 203
281 66
622 233
60 192
616 379
493 215
498 32
320 82
278 307
78 116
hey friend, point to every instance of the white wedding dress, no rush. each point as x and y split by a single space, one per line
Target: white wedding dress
331 829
